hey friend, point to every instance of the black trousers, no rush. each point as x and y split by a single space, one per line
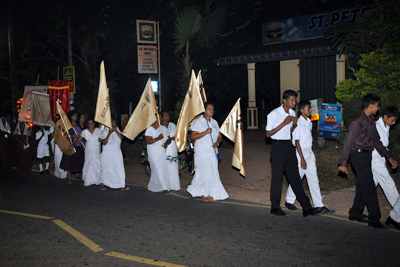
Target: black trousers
365 188
284 160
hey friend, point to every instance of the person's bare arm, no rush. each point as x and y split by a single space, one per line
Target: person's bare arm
150 140
76 142
105 141
219 139
303 161
118 133
196 135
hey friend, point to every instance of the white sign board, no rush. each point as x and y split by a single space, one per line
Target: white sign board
147 59
26 108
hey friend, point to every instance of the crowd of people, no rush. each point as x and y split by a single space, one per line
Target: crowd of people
291 154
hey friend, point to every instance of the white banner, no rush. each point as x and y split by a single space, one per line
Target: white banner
26 108
147 59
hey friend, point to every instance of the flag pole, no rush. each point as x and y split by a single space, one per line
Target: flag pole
211 136
159 125
98 143
64 124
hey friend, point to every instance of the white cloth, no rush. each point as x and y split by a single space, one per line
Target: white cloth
156 155
4 126
17 130
91 172
112 162
172 160
58 172
395 212
303 133
43 147
378 165
206 181
275 118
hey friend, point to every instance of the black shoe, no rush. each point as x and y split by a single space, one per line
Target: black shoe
41 172
290 206
47 171
377 225
278 212
328 210
308 212
319 211
362 219
392 223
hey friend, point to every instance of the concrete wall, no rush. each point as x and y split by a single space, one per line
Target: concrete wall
290 76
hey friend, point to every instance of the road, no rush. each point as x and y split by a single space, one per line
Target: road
83 226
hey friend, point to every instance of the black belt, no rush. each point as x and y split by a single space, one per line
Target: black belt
281 141
363 151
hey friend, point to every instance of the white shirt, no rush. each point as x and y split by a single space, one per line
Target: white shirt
303 133
204 144
275 118
45 138
383 131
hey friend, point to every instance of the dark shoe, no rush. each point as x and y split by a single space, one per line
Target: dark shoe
328 210
279 212
308 212
290 206
47 171
42 172
319 211
377 225
362 219
392 223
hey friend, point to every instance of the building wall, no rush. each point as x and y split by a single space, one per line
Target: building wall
290 76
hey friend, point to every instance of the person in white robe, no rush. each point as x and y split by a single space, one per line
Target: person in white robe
112 162
91 172
206 182
58 172
171 153
156 155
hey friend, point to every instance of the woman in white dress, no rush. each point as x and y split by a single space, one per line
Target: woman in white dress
206 182
112 162
58 154
171 153
91 171
156 155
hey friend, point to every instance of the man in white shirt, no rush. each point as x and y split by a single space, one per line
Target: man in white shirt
43 153
280 123
302 140
379 170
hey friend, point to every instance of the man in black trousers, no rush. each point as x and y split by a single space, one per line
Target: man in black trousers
280 123
361 140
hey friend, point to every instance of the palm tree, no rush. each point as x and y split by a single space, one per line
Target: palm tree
193 30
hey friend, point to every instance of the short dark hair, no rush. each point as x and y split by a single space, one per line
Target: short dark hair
206 104
391 112
289 93
163 112
72 113
370 99
302 105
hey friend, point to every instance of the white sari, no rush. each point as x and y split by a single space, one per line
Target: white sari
91 171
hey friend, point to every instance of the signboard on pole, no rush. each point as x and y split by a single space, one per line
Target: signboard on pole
330 121
26 107
309 26
146 32
314 110
69 75
147 59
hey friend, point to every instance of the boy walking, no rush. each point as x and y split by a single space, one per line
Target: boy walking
380 172
361 139
302 140
280 123
43 153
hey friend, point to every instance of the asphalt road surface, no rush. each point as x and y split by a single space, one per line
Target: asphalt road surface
45 222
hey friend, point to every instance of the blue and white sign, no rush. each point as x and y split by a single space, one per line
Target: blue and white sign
329 125
310 26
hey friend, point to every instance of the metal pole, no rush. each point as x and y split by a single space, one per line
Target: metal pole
159 66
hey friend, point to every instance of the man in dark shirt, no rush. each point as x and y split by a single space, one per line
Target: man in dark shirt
361 140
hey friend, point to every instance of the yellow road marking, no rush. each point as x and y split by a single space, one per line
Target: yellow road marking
26 214
142 260
81 238
178 195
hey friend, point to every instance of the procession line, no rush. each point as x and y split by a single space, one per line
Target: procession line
27 214
81 238
142 260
